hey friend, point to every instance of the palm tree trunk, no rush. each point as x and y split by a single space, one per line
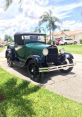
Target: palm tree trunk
50 35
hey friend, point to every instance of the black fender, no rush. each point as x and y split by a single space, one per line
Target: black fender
36 58
68 56
10 53
64 56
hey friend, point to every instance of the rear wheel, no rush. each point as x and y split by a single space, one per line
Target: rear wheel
65 43
67 69
9 62
75 42
33 71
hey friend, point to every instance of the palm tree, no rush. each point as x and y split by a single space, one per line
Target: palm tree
39 29
50 21
8 3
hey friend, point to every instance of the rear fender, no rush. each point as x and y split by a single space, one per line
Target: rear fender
10 53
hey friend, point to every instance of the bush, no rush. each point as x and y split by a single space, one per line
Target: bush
8 38
80 41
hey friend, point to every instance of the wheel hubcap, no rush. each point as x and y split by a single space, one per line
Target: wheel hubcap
66 62
33 70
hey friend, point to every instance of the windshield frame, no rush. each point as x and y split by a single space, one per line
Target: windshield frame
34 38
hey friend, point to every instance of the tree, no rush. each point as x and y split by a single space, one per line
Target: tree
39 29
50 20
8 2
8 38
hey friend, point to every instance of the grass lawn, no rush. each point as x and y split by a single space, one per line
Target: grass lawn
76 49
19 98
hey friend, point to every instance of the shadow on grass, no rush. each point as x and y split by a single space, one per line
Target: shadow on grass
16 102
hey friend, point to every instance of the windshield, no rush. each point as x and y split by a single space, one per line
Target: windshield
33 38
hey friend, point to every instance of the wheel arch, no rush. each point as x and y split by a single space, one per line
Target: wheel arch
64 56
68 56
36 58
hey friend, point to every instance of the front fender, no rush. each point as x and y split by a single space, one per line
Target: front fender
64 56
36 58
68 56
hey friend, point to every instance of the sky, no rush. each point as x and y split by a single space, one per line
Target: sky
24 16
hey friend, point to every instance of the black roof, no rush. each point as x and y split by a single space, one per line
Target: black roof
29 34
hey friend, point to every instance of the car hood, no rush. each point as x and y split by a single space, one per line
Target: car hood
38 46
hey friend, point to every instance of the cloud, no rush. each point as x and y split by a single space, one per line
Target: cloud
2 3
72 25
42 2
24 16
71 6
1 11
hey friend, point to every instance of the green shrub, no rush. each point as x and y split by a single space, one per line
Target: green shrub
80 41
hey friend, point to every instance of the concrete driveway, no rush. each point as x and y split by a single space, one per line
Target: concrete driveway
69 86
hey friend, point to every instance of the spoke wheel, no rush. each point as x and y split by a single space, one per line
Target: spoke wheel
33 71
9 62
67 69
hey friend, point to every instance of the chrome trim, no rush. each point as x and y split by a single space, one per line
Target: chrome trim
53 68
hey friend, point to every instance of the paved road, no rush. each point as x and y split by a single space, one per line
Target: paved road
69 86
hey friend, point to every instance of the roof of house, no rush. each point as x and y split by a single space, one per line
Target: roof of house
68 33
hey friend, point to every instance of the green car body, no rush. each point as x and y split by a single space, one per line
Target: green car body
29 49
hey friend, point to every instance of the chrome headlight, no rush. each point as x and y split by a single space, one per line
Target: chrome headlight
62 51
45 51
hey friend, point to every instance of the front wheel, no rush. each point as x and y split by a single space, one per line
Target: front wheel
67 69
33 71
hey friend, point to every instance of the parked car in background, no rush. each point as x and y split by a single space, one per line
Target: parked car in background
61 41
31 51
57 41
67 41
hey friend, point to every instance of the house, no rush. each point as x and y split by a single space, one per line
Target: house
76 35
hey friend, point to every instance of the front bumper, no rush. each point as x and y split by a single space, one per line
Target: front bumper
54 68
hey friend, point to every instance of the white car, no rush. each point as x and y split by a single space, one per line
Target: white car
67 41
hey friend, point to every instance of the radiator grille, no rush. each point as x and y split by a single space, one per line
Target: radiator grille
52 55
